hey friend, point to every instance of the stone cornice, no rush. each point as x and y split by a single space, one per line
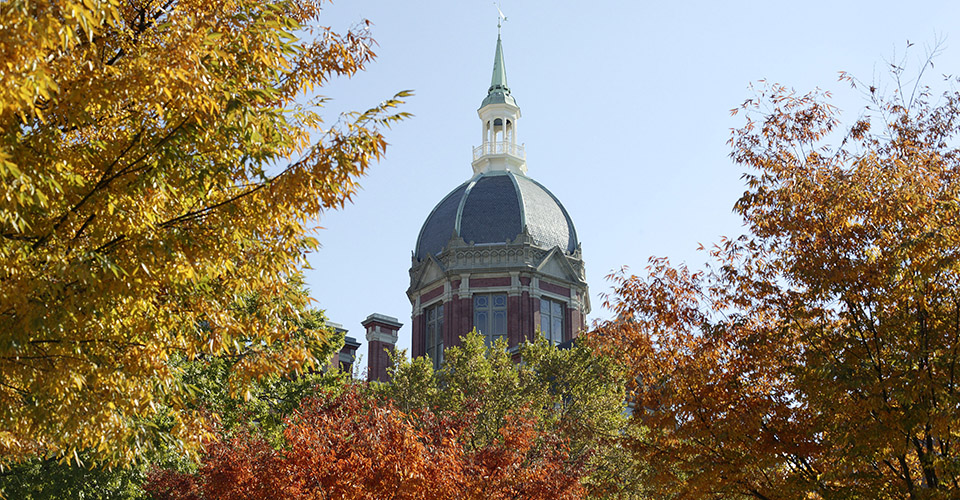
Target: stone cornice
518 256
387 337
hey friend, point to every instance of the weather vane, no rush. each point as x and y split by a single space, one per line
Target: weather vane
500 17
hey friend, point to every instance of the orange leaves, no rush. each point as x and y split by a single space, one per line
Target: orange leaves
816 358
705 389
354 446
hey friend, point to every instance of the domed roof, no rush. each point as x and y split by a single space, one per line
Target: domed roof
494 207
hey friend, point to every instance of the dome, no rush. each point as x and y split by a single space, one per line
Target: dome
494 207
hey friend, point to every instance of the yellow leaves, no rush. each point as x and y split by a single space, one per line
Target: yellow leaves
36 36
135 171
77 381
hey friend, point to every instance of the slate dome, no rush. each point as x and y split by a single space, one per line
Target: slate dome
494 207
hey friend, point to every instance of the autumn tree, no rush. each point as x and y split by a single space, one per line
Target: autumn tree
161 162
358 446
572 392
260 410
818 356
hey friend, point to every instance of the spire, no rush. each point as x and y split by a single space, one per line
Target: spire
499 92
499 79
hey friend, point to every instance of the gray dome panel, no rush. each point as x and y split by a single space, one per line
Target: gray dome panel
547 220
491 212
441 224
494 207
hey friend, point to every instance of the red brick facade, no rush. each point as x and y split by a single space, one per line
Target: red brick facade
557 289
382 332
523 311
379 361
432 294
488 282
417 330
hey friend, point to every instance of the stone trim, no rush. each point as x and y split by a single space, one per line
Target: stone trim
382 319
382 328
377 335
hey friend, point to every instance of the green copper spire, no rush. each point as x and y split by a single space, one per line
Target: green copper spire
499 79
499 92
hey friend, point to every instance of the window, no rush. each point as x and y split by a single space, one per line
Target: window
434 334
490 316
551 320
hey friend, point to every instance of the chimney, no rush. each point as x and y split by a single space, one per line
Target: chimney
343 359
381 337
348 354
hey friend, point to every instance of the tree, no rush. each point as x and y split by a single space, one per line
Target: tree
161 163
572 392
818 358
357 446
260 411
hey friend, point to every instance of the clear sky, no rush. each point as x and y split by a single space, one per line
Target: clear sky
626 114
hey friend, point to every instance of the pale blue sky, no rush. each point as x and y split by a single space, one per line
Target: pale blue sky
625 118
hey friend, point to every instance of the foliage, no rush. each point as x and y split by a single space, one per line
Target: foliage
572 392
161 163
260 411
50 479
265 403
818 358
357 446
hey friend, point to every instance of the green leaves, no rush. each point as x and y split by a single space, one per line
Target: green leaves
573 393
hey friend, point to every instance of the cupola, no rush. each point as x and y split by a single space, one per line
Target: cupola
499 149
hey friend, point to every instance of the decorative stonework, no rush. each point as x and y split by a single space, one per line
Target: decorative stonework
521 254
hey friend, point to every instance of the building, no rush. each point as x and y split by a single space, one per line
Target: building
499 253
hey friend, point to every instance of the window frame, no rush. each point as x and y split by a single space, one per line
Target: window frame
553 319
433 326
492 312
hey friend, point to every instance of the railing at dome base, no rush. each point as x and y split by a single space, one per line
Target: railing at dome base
499 148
